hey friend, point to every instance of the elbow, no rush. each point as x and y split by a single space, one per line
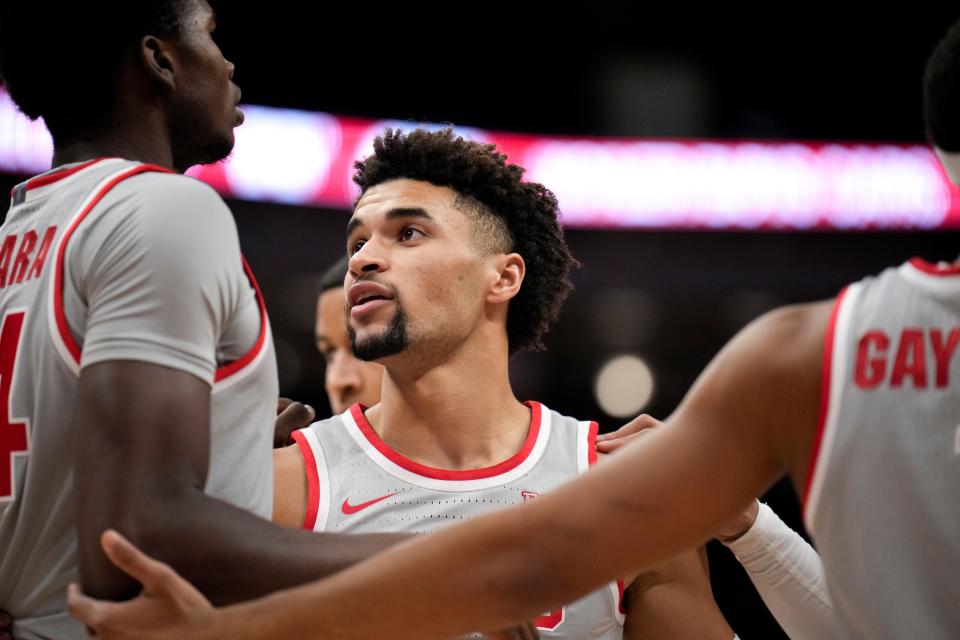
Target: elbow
149 522
157 524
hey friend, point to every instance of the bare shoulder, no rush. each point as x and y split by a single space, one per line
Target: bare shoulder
289 487
288 458
772 353
787 336
770 377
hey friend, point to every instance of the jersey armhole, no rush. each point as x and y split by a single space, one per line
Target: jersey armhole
586 458
313 478
831 381
234 371
586 445
64 343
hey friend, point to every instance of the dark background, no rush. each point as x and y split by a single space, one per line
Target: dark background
673 297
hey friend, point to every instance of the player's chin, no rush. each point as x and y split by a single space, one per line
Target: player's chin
369 332
371 322
215 148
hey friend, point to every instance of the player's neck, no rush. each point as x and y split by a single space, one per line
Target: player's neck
459 414
146 142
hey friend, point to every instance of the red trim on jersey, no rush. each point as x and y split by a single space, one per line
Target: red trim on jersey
61 317
933 269
54 176
550 621
592 444
228 370
827 364
620 590
313 481
449 474
592 460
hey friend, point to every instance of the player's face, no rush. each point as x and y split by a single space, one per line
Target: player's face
204 104
416 275
348 380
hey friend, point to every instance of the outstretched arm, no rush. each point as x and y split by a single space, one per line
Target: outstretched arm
741 426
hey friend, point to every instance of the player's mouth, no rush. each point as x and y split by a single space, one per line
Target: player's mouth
238 114
364 298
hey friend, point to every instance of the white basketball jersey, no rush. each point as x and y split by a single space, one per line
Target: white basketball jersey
883 502
358 484
117 260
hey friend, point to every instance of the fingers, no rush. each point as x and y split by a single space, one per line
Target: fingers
153 575
6 622
297 413
294 416
609 446
283 403
85 609
638 425
531 631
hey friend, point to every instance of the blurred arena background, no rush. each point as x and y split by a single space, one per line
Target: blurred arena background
711 163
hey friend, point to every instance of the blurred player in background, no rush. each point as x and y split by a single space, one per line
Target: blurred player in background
347 379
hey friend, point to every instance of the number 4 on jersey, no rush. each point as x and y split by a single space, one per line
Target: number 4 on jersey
550 621
13 435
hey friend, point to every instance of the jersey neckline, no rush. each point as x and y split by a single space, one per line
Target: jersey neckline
45 183
420 469
943 269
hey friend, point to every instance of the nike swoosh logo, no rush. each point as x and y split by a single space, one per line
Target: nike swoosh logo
350 509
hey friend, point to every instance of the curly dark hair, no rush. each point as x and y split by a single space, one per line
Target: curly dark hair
941 92
60 60
511 215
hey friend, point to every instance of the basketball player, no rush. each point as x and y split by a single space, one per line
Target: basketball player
853 397
137 372
784 568
442 239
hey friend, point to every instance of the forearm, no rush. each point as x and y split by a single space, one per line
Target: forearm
492 579
504 567
788 574
228 553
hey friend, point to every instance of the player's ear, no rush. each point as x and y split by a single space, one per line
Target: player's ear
509 271
155 56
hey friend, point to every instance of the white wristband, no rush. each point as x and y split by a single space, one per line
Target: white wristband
789 575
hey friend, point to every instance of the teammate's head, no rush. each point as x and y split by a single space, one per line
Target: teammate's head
79 65
941 98
347 380
448 231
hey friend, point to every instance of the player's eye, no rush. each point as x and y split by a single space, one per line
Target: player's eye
411 233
